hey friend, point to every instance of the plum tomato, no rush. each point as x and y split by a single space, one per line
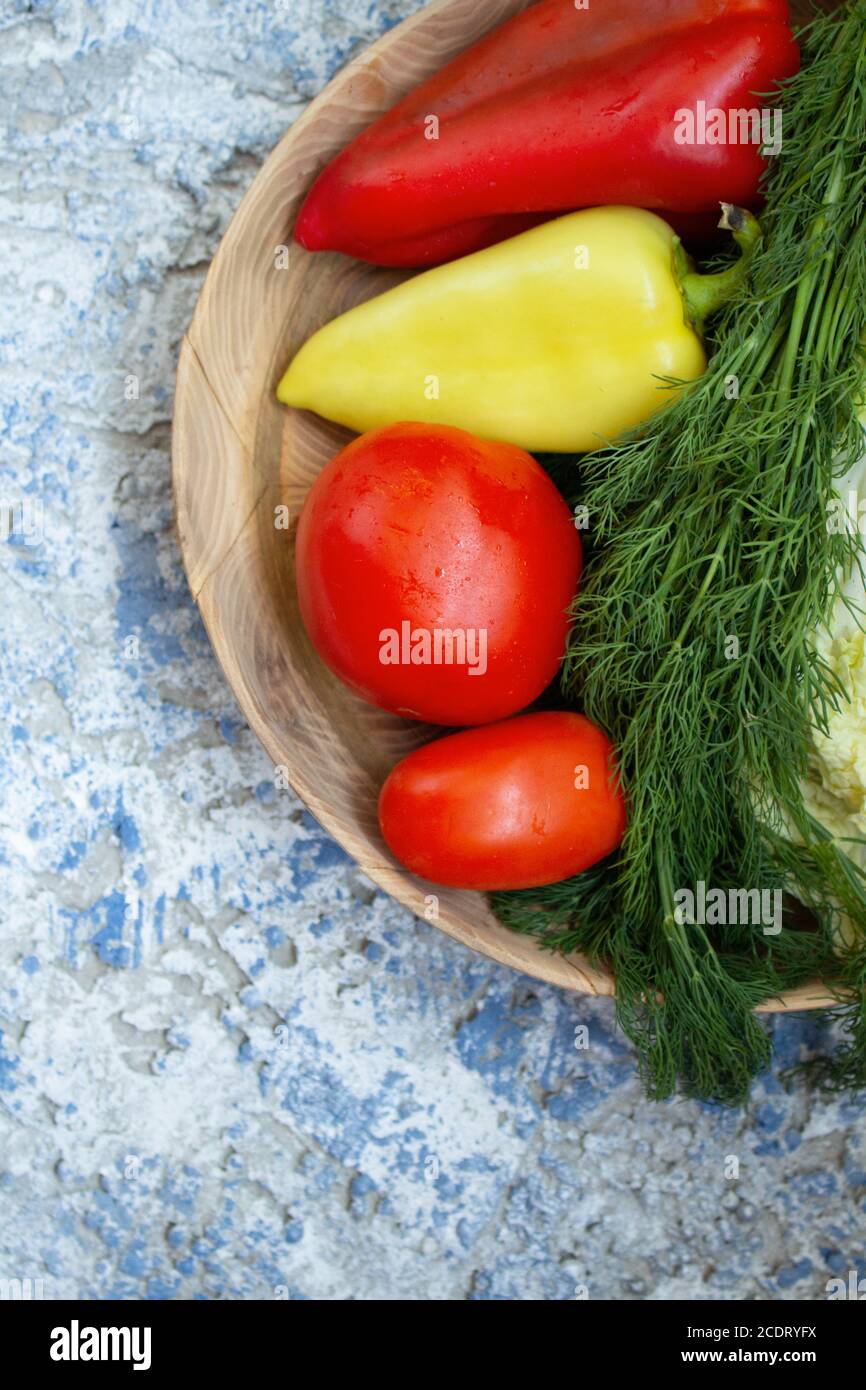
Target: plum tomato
516 804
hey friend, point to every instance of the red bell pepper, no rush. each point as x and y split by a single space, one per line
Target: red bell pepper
560 108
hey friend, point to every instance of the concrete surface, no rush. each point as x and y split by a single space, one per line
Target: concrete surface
229 1068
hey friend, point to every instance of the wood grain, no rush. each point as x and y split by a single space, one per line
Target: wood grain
238 455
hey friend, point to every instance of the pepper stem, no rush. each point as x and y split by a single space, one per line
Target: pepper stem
703 295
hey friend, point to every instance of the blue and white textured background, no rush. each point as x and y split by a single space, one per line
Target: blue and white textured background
229 1068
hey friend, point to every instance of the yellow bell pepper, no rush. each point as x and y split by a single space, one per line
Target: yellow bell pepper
554 340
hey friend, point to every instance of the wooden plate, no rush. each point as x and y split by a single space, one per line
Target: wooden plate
238 456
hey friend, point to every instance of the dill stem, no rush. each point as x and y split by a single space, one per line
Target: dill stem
716 560
765 357
795 329
823 316
673 928
807 284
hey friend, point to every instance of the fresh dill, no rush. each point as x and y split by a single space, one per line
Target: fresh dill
711 566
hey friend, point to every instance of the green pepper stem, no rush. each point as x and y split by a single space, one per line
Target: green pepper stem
703 295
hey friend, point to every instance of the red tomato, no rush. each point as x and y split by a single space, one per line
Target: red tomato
513 805
434 572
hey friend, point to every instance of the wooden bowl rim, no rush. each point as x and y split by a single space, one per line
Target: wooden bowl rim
572 972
